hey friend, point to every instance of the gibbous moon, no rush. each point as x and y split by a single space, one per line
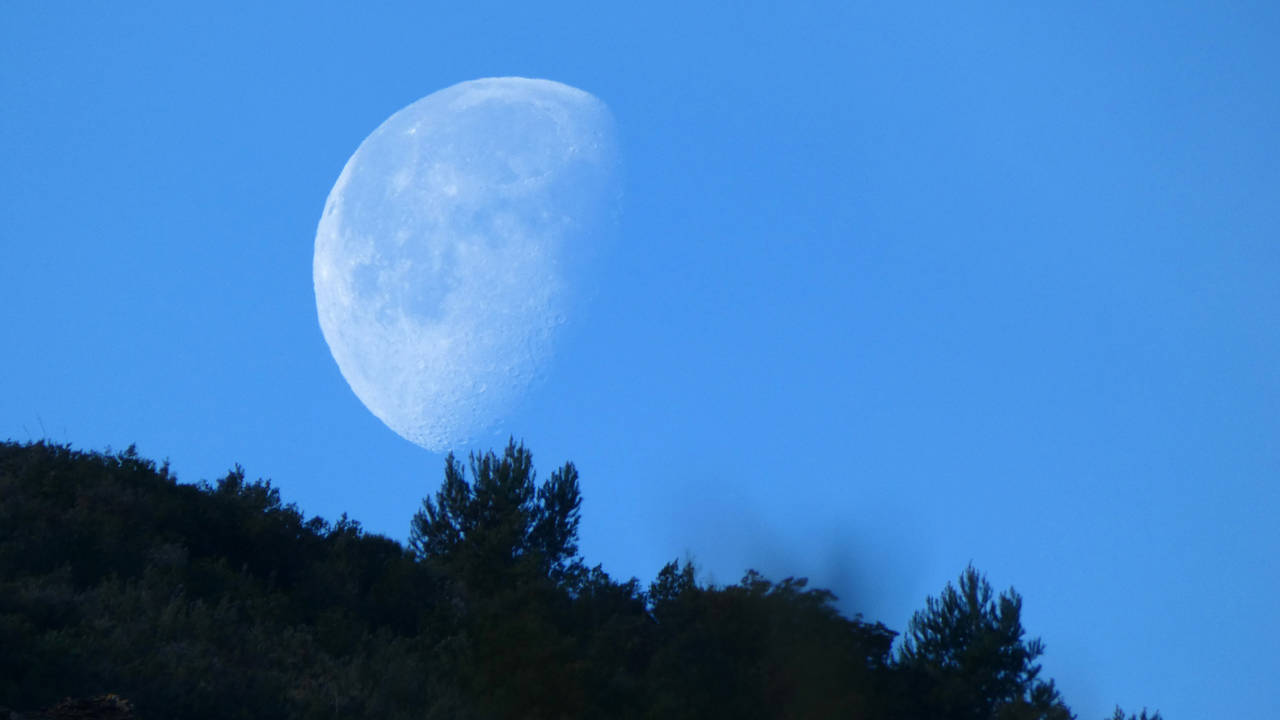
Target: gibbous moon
453 246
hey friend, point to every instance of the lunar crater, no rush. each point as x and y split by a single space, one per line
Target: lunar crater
450 247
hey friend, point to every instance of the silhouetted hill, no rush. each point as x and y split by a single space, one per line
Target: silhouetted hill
221 601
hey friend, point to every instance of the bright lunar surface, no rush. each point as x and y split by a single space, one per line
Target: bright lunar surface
453 246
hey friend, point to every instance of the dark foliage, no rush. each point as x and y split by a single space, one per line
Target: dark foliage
103 707
965 656
196 601
1119 715
219 600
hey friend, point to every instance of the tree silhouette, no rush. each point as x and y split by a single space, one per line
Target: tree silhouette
507 549
503 521
1119 715
759 649
966 652
220 600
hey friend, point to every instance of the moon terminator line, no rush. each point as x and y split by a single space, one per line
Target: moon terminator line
450 249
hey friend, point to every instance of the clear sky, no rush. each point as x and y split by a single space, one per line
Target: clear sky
900 287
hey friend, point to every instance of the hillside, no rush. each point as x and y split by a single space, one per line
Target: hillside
221 600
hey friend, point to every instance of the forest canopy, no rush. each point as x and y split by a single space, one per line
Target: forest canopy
219 600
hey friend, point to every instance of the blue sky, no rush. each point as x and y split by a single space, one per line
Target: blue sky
900 287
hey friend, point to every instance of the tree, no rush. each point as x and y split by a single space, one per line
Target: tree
760 649
966 653
1119 715
508 549
503 521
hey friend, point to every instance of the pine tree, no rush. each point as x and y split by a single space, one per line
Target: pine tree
481 530
966 653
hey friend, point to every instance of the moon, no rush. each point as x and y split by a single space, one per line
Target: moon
456 244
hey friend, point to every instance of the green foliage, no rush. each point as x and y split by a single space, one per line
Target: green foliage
505 520
966 651
220 600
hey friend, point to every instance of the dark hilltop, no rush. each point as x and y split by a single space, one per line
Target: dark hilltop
126 594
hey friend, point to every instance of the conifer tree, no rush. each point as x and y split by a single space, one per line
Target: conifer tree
501 520
967 654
